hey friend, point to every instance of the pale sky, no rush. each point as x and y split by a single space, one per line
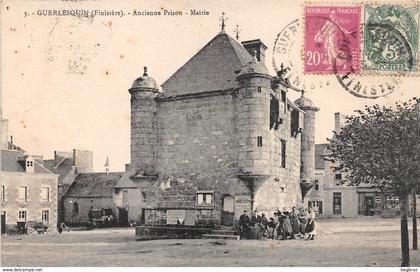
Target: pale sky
65 80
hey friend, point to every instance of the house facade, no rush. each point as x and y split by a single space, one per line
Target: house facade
28 191
67 164
89 192
331 196
220 137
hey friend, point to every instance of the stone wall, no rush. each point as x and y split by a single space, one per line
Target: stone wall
143 131
282 190
201 142
34 204
85 204
349 202
83 160
132 200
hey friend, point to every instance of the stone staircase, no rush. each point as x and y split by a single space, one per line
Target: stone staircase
225 233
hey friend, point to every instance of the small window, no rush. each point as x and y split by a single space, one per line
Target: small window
3 193
125 199
274 113
316 206
259 141
283 96
259 89
75 208
283 153
316 185
45 194
22 216
45 216
294 123
284 100
23 194
205 198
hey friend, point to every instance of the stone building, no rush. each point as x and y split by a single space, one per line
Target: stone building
67 165
220 137
331 196
28 190
89 191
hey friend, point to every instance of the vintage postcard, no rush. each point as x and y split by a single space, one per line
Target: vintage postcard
214 133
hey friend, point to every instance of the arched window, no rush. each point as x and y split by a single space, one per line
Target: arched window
75 208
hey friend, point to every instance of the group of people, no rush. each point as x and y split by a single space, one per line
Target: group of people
294 224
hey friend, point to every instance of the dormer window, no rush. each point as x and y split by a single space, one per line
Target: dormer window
29 165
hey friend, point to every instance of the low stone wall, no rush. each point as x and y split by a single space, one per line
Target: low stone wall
169 232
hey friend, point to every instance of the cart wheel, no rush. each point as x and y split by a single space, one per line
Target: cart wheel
30 231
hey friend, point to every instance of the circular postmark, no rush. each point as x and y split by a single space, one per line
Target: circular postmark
287 51
388 53
367 87
390 40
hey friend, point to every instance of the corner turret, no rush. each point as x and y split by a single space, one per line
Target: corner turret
143 125
308 138
254 125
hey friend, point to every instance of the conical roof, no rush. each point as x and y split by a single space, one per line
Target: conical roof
212 68
253 67
305 103
145 81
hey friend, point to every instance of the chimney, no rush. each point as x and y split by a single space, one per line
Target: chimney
258 46
74 157
338 122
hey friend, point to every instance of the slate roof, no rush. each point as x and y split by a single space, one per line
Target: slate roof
212 68
94 184
62 169
125 181
11 162
319 152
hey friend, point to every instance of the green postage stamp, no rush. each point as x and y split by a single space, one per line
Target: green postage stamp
391 36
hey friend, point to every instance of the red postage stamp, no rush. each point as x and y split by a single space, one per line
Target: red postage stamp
332 39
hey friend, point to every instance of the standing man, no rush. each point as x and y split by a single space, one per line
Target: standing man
244 223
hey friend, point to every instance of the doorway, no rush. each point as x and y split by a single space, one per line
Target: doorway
3 222
369 206
228 210
123 217
337 203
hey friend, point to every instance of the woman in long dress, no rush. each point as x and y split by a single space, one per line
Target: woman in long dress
310 226
287 225
295 223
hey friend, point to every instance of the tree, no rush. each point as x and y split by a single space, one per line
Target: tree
380 146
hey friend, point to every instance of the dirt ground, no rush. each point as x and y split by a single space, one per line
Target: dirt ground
340 242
